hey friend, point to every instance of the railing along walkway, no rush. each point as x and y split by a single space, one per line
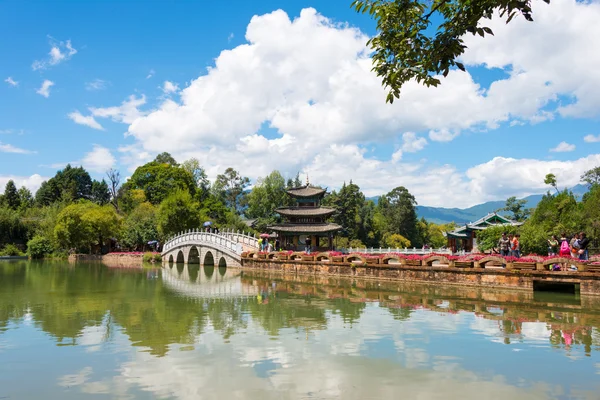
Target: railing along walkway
229 241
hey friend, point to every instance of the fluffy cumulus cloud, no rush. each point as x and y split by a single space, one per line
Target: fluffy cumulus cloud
563 147
59 52
170 87
309 81
99 160
32 182
44 90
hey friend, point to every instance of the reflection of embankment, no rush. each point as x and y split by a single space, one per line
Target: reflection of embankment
559 310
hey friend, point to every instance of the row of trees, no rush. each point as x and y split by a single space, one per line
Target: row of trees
73 212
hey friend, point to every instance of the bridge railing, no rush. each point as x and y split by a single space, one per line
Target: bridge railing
229 240
414 250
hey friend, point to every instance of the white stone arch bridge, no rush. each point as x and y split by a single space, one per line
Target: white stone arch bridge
222 249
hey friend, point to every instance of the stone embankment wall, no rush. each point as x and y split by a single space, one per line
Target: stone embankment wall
509 278
111 259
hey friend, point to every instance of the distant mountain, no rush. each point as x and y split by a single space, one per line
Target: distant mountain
441 215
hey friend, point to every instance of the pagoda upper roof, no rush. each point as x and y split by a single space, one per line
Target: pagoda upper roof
305 211
306 191
305 228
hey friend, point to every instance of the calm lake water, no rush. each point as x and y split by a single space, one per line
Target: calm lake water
87 331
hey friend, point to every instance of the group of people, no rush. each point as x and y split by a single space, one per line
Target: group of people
510 245
576 247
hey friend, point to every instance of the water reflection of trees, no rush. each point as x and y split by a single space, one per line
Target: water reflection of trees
63 301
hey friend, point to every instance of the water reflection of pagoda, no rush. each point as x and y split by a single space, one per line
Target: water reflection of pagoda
306 220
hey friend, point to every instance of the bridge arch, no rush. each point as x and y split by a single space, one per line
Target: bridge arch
429 261
170 260
355 258
394 260
222 266
180 257
483 263
209 259
194 256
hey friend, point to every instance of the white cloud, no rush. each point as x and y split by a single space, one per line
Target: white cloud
591 139
59 52
9 148
44 90
544 58
170 87
413 143
85 120
150 74
563 147
96 84
442 135
310 81
126 113
100 159
11 81
32 182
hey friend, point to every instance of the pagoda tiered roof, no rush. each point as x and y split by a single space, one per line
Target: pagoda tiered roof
305 211
306 191
306 228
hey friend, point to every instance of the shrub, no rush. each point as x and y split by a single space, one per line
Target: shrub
39 247
11 250
152 257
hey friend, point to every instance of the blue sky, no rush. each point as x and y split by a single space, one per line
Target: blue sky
292 91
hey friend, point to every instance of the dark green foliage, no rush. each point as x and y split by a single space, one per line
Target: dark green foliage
39 247
100 193
69 184
12 229
25 198
517 209
229 187
11 196
398 211
139 227
406 47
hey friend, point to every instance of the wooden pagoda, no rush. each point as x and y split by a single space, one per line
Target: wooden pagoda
306 221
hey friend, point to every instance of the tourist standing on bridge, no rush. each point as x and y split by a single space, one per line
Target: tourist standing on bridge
516 246
504 245
584 242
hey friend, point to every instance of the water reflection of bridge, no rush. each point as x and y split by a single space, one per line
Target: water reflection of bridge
207 282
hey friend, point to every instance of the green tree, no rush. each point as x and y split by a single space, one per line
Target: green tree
348 203
395 241
100 193
25 198
550 179
517 208
159 179
69 184
230 187
398 211
11 196
39 247
166 158
12 229
103 222
139 227
177 213
267 194
419 40
591 177
193 167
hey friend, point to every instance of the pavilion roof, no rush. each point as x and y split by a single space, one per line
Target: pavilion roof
305 211
306 191
305 228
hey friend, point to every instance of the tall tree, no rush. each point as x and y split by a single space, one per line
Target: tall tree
406 47
193 167
114 179
11 195
230 187
25 198
550 179
517 208
139 227
267 194
348 203
68 184
398 211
